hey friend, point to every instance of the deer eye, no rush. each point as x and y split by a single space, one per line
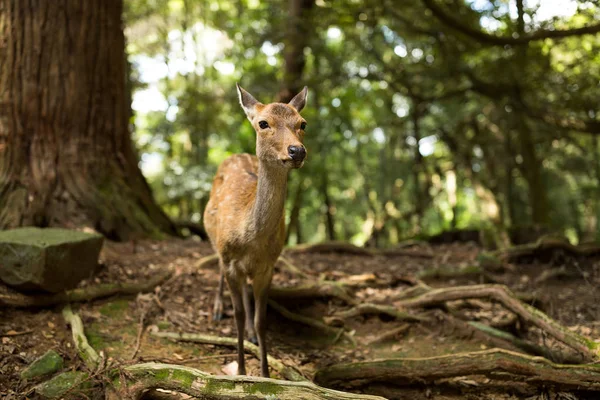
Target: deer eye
303 126
263 124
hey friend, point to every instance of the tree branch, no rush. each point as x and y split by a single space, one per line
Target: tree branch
487 38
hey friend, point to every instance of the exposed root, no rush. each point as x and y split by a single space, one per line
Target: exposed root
348 248
285 371
331 247
524 345
86 352
388 335
15 299
375 309
546 245
208 261
312 290
494 364
288 265
312 322
589 350
137 379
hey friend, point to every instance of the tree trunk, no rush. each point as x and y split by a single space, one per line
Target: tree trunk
66 156
532 166
297 38
330 223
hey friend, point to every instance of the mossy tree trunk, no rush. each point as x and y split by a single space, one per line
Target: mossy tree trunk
66 156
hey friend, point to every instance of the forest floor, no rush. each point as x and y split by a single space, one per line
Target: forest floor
184 304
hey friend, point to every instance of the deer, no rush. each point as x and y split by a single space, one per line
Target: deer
245 215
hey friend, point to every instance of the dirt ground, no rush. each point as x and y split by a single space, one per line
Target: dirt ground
184 304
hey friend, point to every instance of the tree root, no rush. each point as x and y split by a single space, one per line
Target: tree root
313 323
15 299
311 290
288 265
348 248
137 379
589 350
494 364
331 247
544 246
524 345
374 309
285 371
208 261
391 334
86 352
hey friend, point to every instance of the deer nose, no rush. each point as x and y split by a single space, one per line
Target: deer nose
297 152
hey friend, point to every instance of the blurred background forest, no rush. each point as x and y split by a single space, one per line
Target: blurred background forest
423 116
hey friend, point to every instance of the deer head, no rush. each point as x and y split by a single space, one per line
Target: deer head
279 129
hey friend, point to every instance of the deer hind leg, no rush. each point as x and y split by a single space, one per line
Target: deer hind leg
248 307
261 289
218 304
236 283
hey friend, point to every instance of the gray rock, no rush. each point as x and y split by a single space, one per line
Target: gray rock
47 364
48 259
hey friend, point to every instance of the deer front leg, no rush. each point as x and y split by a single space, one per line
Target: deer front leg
218 304
261 289
236 284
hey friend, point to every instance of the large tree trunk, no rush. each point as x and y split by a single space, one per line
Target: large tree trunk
297 37
66 156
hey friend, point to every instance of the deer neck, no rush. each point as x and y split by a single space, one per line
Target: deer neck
267 210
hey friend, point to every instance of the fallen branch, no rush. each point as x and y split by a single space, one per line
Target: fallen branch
375 309
312 322
494 364
15 299
311 290
86 352
139 378
500 293
283 370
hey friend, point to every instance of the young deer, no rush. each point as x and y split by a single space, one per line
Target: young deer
245 216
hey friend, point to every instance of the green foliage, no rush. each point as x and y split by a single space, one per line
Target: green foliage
414 125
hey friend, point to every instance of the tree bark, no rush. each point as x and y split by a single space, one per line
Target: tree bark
494 364
66 156
297 38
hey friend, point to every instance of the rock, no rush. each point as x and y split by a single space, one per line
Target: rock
48 259
47 364
63 383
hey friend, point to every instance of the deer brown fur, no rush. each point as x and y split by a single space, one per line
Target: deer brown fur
245 216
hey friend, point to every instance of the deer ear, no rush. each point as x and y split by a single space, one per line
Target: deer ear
299 100
247 101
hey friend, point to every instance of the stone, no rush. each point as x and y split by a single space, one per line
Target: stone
47 364
63 383
47 259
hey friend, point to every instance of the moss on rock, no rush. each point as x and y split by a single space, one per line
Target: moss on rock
58 386
47 364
